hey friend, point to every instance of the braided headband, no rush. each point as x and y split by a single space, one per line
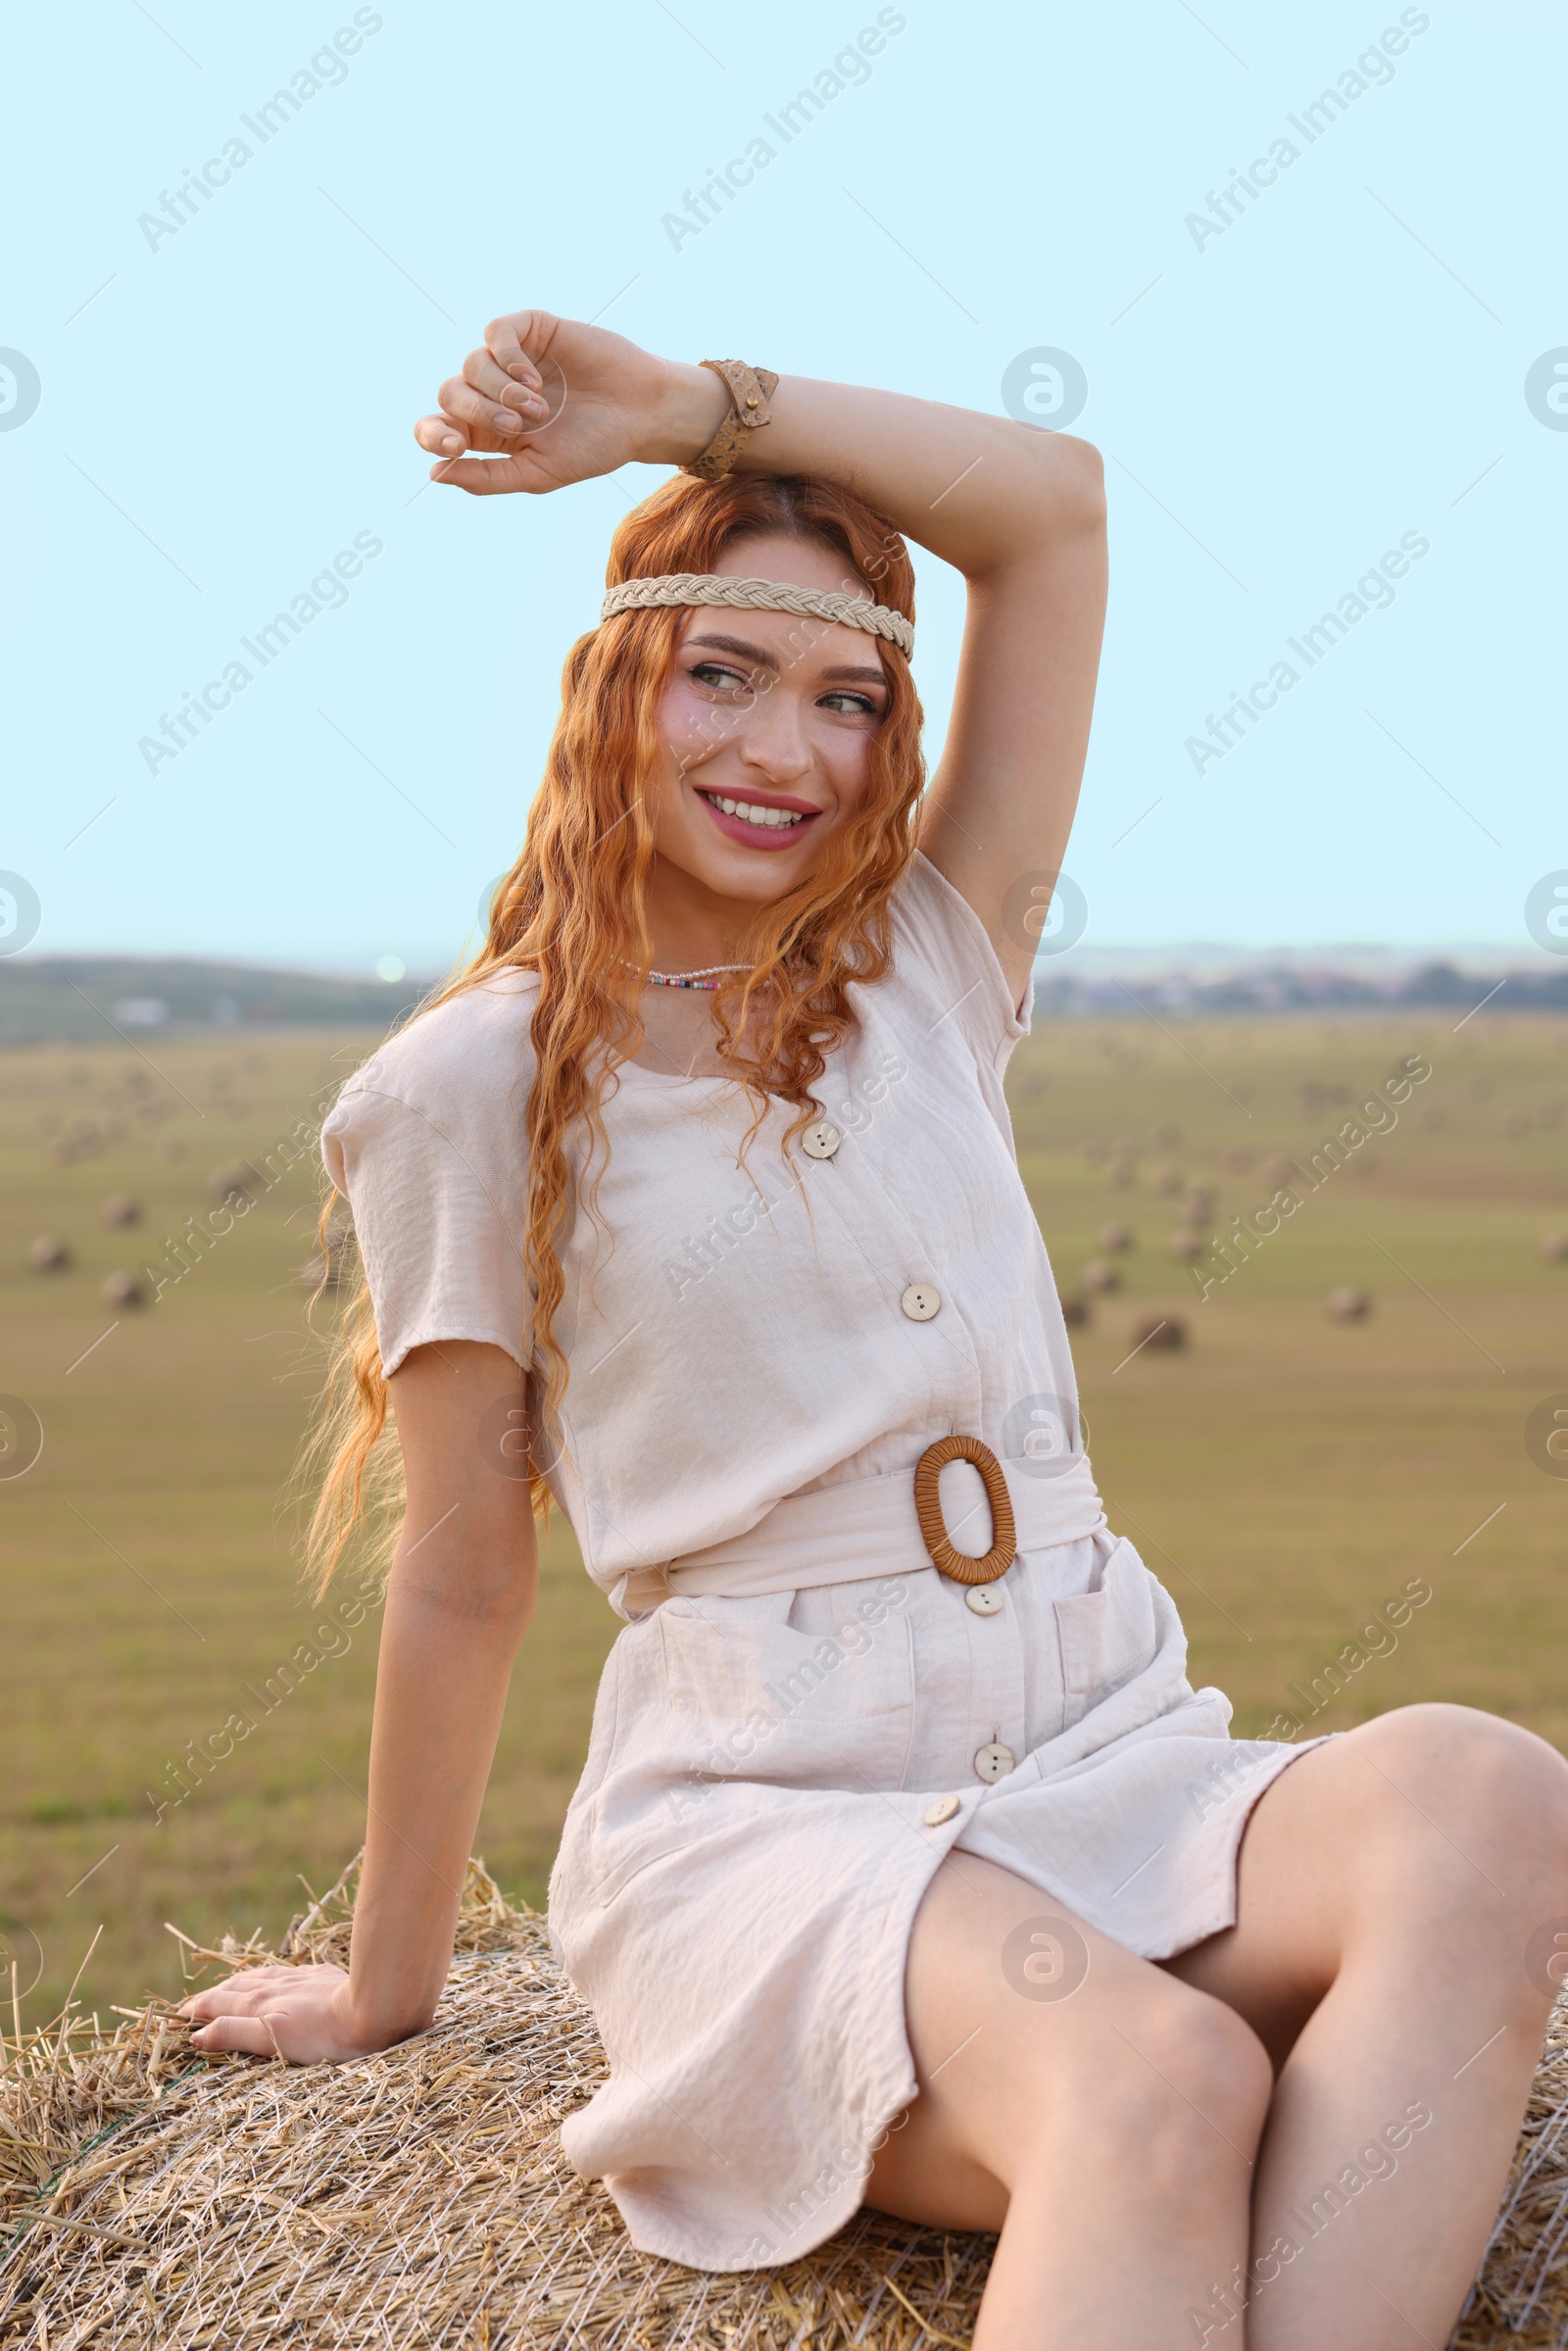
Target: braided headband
760 596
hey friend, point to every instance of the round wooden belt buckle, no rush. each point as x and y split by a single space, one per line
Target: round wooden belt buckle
933 1527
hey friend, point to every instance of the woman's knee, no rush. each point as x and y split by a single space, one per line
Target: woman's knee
1470 1772
1171 2072
1208 2058
1468 1825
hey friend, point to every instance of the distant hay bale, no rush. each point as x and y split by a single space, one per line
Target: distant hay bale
1348 1304
1164 1332
120 1209
1167 1135
1554 1248
81 1141
419 2196
236 1182
123 1290
1074 1311
1166 1180
1116 1236
1100 1274
48 1254
1185 1246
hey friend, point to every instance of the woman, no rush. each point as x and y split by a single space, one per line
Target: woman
903 1870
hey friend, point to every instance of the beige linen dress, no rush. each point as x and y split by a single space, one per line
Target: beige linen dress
803 1716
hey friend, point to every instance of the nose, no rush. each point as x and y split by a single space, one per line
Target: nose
772 740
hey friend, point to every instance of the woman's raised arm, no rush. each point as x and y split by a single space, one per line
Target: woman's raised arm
1019 510
1021 513
461 1594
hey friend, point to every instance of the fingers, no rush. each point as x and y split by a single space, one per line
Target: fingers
492 384
446 436
482 408
484 478
252 1989
506 410
507 338
450 445
442 436
251 2035
494 405
287 2012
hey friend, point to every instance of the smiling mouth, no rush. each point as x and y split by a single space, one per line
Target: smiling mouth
761 816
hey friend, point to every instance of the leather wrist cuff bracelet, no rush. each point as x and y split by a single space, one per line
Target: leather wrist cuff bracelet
750 390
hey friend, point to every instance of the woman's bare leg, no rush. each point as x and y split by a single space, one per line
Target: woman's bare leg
1389 1888
1399 1894
1106 2126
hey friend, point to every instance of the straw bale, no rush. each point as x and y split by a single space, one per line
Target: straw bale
1521 2296
419 2197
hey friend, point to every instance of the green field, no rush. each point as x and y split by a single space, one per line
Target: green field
1283 1472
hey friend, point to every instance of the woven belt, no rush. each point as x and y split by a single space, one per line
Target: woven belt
873 1527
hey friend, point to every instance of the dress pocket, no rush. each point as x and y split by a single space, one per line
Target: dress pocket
1108 1635
795 1689
720 1701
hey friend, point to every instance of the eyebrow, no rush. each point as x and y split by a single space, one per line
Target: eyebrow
763 660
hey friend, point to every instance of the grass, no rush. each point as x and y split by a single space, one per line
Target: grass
1284 1473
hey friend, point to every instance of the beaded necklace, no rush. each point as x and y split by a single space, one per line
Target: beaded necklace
701 979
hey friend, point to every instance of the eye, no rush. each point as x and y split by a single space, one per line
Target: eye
720 676
853 705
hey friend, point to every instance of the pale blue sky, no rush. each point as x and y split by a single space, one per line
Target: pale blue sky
1280 401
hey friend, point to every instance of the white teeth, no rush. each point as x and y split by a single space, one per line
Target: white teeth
752 812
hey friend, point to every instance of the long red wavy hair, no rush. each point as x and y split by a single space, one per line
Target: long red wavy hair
571 911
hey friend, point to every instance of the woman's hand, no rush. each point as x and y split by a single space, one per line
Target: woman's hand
560 403
301 2013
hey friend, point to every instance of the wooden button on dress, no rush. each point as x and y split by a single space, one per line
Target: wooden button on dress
821 1141
920 1302
985 1599
995 1762
942 1810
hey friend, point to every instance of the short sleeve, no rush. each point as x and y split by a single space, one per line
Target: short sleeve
939 935
435 1178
